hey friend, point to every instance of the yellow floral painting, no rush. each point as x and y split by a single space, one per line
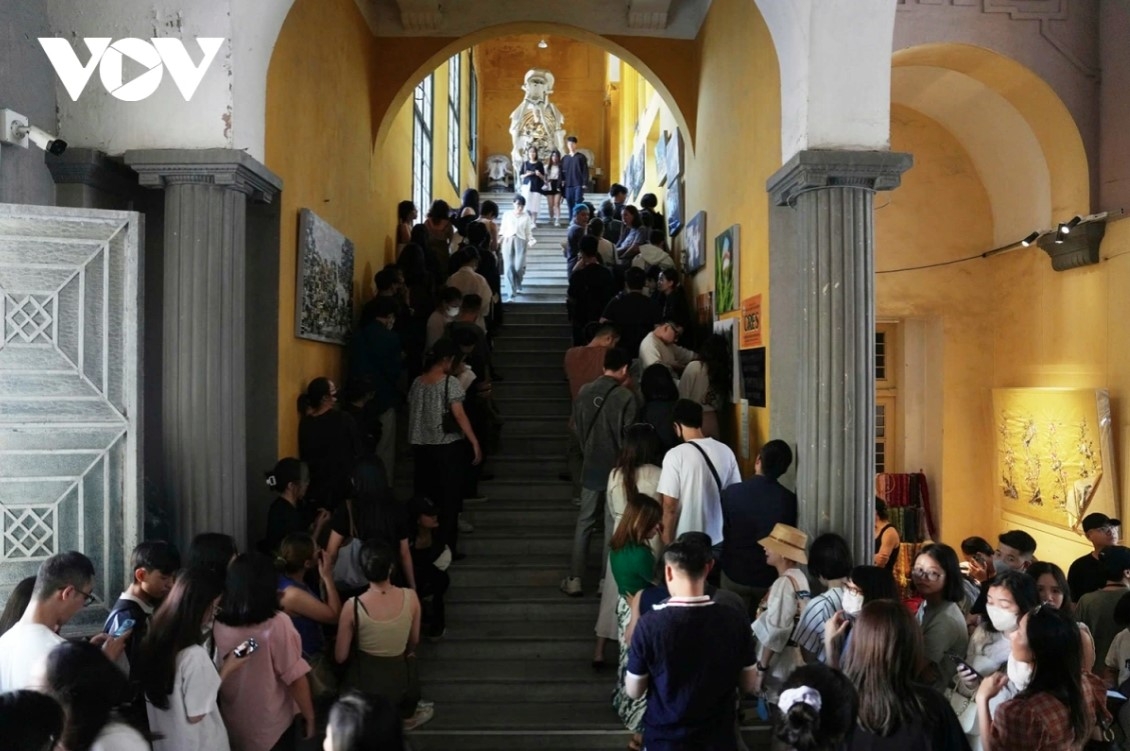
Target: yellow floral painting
1050 450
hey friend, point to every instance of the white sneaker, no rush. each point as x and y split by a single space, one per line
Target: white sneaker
571 586
423 714
577 502
465 526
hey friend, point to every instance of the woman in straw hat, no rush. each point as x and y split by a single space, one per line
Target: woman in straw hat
779 612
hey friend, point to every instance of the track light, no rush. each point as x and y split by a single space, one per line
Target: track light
1061 233
1071 224
1030 239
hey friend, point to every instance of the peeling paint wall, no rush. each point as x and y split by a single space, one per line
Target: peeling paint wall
163 120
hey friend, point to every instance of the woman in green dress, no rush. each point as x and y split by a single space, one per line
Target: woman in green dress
633 564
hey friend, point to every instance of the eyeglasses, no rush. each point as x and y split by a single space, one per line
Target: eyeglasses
87 597
927 574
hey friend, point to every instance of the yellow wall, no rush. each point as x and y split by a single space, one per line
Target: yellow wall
737 148
940 213
442 187
578 69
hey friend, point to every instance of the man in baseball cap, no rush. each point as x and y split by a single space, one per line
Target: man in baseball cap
1088 573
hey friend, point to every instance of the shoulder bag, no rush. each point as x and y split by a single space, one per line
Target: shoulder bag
347 568
710 464
448 421
599 409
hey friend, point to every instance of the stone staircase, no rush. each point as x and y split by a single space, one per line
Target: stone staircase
513 671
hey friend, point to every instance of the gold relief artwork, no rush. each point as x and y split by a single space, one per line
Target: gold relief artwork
1049 452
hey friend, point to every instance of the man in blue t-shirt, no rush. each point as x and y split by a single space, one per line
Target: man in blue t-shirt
688 656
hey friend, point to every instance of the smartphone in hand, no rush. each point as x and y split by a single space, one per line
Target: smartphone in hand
246 648
123 627
963 667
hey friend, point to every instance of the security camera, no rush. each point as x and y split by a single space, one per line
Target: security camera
44 140
15 129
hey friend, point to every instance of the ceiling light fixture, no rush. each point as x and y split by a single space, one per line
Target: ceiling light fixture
543 44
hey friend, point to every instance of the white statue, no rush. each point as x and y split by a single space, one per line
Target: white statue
536 122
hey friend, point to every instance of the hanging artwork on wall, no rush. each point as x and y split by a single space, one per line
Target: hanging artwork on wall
1054 454
674 156
694 243
727 251
323 309
636 174
674 206
661 160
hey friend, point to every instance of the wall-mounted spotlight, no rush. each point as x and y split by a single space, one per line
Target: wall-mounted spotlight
1030 239
1061 233
543 44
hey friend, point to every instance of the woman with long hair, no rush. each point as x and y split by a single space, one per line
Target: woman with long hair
258 702
632 236
17 604
439 432
290 479
660 394
214 551
937 578
371 513
553 186
1010 595
328 442
706 381
896 710
90 687
406 214
636 473
179 679
1053 590
377 636
1060 707
532 174
632 561
30 721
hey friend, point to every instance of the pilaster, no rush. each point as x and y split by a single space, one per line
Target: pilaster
833 353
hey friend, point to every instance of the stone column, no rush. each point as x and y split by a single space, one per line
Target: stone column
204 342
832 193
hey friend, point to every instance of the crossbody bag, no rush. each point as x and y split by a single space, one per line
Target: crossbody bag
714 472
599 409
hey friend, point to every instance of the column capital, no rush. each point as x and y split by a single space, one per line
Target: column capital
808 170
229 168
92 168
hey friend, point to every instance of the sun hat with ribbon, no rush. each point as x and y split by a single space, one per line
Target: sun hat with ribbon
787 541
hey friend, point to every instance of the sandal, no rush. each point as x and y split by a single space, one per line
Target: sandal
636 743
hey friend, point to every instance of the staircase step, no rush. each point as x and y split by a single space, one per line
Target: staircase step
513 389
490 514
536 445
550 610
432 739
544 371
483 545
528 357
554 408
594 715
515 671
474 573
533 339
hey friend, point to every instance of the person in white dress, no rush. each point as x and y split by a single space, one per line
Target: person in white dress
517 237
180 681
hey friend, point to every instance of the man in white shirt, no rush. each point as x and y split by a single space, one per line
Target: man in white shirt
659 347
450 300
63 586
471 282
694 475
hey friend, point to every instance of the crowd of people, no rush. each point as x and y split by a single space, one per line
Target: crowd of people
723 610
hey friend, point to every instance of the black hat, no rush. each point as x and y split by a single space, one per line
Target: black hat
1116 560
1096 520
421 505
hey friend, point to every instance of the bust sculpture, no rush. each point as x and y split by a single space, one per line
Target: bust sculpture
537 122
498 171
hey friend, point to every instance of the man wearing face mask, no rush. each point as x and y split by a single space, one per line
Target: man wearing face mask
450 300
1087 573
377 354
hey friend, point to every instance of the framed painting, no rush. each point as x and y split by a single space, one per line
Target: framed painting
1054 454
694 243
661 160
323 309
674 206
674 156
727 252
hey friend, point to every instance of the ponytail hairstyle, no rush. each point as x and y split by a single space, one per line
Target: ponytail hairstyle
817 709
295 551
287 471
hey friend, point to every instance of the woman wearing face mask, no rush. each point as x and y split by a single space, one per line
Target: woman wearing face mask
1010 595
1058 706
865 584
1053 589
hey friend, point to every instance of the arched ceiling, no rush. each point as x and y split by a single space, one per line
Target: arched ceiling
1004 149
